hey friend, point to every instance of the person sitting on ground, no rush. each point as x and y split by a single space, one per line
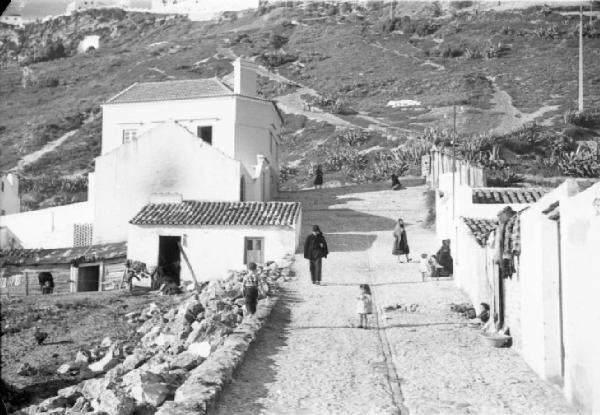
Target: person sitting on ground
250 283
364 306
46 282
396 185
444 259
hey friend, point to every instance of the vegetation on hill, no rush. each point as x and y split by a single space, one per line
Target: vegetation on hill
503 69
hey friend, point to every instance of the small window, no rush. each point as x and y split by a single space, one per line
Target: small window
129 136
242 189
2 186
205 133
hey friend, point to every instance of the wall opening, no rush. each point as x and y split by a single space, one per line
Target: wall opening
169 258
205 133
254 250
242 189
88 278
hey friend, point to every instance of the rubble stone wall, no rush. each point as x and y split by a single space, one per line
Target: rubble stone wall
182 360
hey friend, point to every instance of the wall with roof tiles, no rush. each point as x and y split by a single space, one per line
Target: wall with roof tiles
212 250
44 228
580 248
167 159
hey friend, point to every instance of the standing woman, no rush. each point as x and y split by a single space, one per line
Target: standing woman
315 249
318 178
400 241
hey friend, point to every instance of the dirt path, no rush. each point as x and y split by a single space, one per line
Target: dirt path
49 147
511 118
310 359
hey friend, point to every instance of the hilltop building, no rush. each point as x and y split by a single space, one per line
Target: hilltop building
185 165
13 20
201 9
81 5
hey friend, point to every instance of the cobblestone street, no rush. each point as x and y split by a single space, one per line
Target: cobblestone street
311 359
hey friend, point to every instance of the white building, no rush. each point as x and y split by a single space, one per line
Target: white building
13 20
90 42
80 5
10 201
199 10
198 141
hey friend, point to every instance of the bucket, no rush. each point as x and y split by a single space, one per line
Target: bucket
495 339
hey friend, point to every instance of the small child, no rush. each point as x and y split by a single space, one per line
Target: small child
364 305
424 267
250 283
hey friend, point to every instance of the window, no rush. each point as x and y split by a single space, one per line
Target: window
2 186
129 136
254 250
205 133
242 189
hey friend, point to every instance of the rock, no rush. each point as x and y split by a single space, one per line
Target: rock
146 387
146 327
114 403
201 349
82 356
71 393
104 364
53 403
81 405
172 408
165 339
134 361
106 342
185 360
92 388
70 367
26 370
152 309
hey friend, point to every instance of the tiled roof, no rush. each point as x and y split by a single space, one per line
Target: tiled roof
171 90
480 228
505 195
219 213
78 254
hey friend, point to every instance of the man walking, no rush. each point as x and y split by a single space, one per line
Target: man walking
315 248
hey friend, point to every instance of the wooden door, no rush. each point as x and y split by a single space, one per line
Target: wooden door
254 250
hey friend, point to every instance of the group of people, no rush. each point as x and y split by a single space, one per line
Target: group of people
318 180
438 265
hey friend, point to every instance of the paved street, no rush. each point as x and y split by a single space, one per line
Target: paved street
311 359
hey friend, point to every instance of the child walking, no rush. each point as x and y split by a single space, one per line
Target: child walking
250 283
364 306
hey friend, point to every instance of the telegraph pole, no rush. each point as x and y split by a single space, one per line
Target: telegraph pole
454 161
581 56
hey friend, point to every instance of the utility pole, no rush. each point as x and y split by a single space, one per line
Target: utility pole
454 161
581 56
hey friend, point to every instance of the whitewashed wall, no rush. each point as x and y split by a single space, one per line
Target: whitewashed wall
212 250
167 159
44 228
470 267
580 247
10 201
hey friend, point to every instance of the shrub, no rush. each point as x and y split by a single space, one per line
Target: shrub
504 178
353 137
275 59
580 163
589 118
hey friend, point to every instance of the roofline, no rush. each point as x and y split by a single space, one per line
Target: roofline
122 92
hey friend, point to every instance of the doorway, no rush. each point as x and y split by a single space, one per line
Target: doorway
169 258
88 278
254 250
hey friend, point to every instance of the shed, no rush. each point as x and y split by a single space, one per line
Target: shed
89 268
215 236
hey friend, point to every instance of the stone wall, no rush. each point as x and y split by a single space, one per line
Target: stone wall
182 360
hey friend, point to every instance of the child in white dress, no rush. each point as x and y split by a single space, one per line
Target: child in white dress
364 306
424 267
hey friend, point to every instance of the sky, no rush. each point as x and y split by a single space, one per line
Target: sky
43 8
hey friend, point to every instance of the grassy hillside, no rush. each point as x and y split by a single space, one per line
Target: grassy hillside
504 69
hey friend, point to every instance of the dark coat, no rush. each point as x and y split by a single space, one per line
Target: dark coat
400 243
44 277
315 247
444 258
318 177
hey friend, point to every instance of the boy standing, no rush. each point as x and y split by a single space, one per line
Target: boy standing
250 282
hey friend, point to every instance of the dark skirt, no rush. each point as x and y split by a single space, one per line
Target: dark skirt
318 180
400 247
251 297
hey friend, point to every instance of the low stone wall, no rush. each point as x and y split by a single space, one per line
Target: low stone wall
183 359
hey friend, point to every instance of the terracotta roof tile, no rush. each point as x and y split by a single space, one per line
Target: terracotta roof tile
480 228
219 214
500 195
63 255
171 90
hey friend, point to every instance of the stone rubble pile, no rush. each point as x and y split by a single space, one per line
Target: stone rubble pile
185 354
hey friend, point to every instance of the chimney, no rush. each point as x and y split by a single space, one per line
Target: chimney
244 78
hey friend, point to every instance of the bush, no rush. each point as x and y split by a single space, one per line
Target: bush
353 137
580 163
589 118
504 178
275 59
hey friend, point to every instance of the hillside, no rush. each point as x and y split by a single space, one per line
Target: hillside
503 69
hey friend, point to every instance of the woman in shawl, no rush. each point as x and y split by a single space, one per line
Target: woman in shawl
400 241
318 178
396 185
444 258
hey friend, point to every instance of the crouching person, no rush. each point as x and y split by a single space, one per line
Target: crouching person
250 283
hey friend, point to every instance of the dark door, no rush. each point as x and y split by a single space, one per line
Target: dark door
254 251
169 257
88 278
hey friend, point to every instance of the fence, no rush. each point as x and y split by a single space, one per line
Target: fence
466 173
